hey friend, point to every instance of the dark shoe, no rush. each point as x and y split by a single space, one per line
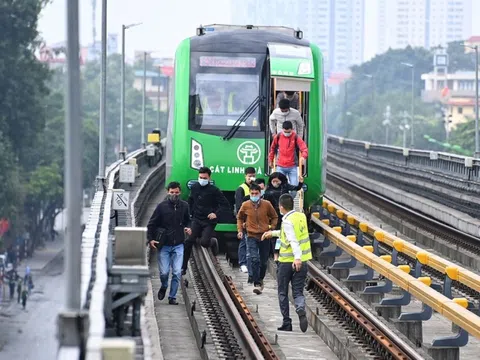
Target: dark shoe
257 289
184 272
302 316
250 280
214 246
285 327
161 293
172 302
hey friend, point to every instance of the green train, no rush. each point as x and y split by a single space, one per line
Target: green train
224 88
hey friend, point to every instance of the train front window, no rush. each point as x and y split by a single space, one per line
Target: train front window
221 89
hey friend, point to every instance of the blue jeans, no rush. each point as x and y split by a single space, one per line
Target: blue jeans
291 173
257 254
170 257
243 255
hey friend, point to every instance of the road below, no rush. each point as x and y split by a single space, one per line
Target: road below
31 334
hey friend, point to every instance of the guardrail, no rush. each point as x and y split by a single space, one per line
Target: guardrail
419 287
460 167
452 271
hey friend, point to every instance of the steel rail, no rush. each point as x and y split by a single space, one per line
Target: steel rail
247 342
388 341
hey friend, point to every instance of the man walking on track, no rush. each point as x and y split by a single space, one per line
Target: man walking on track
206 203
259 216
294 253
166 232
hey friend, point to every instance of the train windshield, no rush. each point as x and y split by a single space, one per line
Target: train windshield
221 89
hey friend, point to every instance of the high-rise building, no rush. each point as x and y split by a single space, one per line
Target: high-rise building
426 23
336 26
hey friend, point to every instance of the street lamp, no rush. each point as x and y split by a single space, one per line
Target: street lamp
122 89
477 146
413 99
103 98
144 97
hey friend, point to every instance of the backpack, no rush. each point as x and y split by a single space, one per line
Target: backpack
275 142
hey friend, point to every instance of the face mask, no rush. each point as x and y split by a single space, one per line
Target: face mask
287 134
276 185
203 182
251 179
262 192
173 197
254 198
285 113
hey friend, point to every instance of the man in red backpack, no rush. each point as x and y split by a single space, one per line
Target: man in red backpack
287 146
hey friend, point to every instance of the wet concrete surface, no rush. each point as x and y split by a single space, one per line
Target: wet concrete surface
30 334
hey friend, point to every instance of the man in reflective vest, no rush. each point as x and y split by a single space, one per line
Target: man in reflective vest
292 268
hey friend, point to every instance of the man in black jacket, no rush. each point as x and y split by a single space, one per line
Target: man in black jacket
206 203
166 232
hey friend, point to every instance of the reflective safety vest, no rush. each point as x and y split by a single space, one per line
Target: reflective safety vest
246 189
300 227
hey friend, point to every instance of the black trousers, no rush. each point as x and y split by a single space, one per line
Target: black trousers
286 275
203 231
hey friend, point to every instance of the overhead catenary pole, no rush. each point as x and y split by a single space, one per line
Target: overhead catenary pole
144 100
477 145
122 95
72 320
158 100
103 96
412 111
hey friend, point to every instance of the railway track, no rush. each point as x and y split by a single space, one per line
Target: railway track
231 326
437 229
362 326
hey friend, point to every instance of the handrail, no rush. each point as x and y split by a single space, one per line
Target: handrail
454 271
449 308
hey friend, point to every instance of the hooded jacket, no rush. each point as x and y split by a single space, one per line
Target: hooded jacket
285 149
277 118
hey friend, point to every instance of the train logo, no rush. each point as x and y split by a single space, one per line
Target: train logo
248 153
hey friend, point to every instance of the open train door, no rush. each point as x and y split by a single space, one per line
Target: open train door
291 69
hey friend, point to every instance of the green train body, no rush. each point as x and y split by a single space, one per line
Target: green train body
242 60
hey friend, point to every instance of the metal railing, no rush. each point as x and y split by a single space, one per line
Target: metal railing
464 168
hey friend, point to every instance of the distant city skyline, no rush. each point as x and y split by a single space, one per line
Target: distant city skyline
165 24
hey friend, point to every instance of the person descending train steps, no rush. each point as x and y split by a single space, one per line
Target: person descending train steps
242 191
166 233
292 96
285 113
287 147
259 216
206 203
295 251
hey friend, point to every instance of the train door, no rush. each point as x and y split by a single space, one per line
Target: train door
291 72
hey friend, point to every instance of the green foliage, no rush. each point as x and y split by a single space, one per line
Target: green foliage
354 112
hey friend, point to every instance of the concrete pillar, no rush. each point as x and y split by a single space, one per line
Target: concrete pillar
388 311
371 298
355 285
443 353
339 274
412 329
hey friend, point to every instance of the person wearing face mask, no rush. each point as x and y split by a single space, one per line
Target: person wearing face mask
255 217
287 147
166 232
295 252
292 96
240 193
277 186
206 203
286 113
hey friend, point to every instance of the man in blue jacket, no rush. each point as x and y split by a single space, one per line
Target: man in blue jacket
166 232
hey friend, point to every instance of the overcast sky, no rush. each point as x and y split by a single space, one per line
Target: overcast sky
166 23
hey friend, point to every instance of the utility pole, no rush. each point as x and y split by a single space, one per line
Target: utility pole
103 98
73 320
158 99
386 123
144 100
345 104
412 104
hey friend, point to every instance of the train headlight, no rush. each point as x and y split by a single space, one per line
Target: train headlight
196 158
305 68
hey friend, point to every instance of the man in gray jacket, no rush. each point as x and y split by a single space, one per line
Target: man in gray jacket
283 113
